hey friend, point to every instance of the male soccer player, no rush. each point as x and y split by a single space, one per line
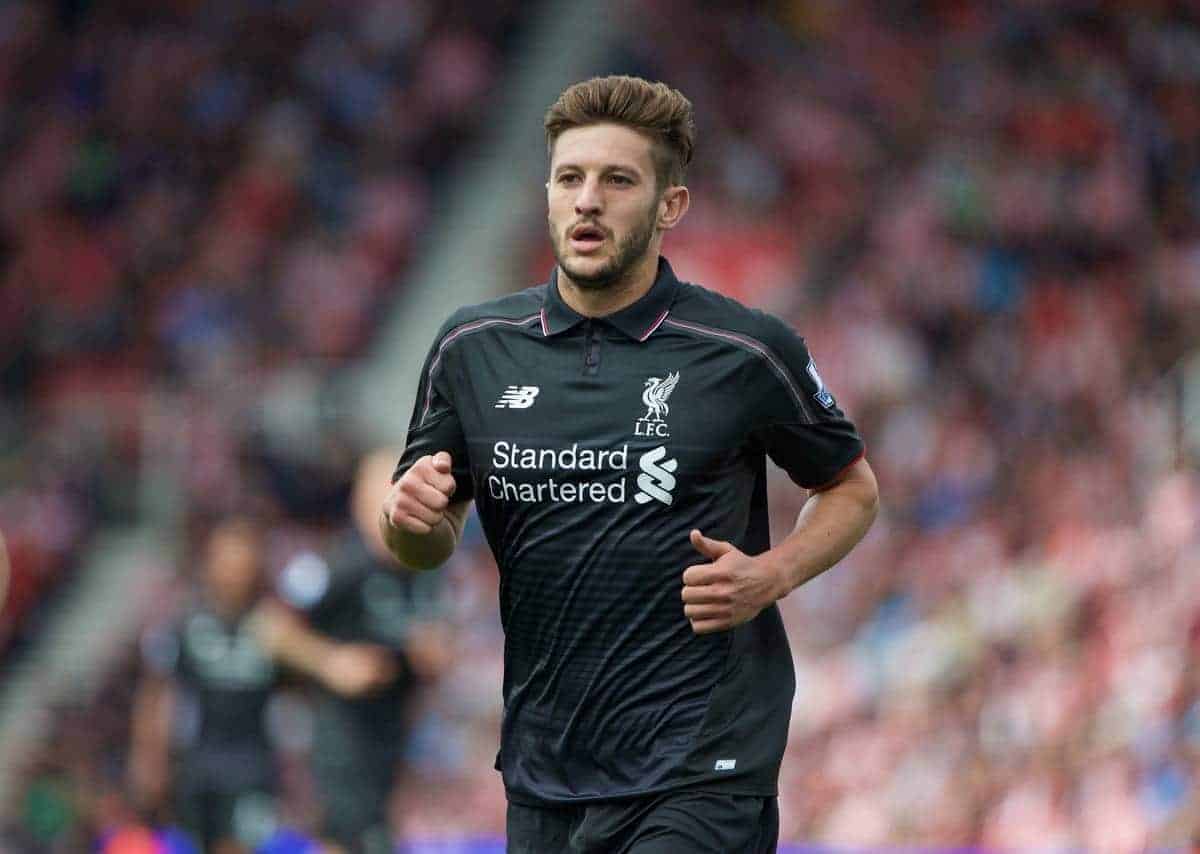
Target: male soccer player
612 427
366 634
200 714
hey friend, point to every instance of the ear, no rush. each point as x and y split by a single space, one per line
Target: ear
672 207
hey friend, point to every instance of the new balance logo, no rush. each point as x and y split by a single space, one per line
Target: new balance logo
517 397
657 479
725 765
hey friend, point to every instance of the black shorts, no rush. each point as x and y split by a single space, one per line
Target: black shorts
354 801
672 823
226 795
355 751
211 816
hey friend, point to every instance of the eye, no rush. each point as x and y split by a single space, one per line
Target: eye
620 180
568 179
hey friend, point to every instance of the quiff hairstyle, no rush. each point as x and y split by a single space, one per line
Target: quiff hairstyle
653 109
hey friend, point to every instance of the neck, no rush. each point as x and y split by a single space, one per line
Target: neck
598 302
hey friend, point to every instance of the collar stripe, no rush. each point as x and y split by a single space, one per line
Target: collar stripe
759 348
545 328
465 329
655 325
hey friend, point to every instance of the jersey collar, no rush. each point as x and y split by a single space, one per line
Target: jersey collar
638 320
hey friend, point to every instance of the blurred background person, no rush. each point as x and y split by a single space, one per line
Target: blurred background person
201 754
368 632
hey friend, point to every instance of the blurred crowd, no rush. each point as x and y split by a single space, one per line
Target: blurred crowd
202 209
984 217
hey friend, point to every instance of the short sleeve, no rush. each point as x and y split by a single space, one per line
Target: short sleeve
800 425
435 424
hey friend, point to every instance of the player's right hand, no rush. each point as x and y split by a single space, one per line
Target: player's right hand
358 669
417 502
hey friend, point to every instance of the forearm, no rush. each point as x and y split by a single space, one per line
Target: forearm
292 642
149 741
422 551
830 524
151 713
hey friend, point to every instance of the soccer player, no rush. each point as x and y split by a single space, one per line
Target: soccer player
200 711
612 427
366 635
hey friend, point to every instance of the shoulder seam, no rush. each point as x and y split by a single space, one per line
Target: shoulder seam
755 346
456 332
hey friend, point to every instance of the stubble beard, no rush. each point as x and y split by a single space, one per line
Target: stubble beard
630 251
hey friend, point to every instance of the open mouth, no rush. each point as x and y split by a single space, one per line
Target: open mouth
586 238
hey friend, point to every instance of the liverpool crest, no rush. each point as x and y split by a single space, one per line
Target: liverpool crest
654 396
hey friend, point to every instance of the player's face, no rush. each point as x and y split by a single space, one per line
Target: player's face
603 203
232 566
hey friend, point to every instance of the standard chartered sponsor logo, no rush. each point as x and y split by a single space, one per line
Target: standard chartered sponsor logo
657 478
512 456
655 482
563 492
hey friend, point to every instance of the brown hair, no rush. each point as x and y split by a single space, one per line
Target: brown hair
655 109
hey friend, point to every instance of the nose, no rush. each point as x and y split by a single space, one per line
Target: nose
590 200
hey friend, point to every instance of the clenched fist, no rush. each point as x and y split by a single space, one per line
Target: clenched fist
417 502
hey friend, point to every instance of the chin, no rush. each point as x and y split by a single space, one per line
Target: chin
597 282
594 275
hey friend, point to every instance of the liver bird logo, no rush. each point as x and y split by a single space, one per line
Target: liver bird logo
655 396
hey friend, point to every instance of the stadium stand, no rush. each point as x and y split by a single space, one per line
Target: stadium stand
203 207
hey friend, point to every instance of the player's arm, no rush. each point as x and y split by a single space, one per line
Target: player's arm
831 522
149 744
734 587
152 713
420 521
349 669
423 515
801 428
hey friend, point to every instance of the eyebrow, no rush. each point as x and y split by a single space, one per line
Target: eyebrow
606 170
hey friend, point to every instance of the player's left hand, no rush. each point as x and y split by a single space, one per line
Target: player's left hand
730 590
